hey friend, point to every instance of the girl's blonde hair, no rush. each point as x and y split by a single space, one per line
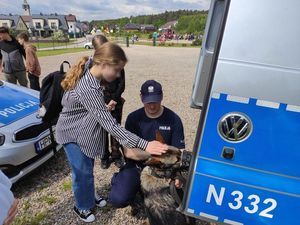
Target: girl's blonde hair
108 53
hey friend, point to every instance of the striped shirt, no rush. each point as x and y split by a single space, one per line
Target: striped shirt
84 118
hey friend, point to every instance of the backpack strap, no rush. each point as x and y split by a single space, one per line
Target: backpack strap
61 70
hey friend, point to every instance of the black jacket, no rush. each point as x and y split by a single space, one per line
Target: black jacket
114 90
12 56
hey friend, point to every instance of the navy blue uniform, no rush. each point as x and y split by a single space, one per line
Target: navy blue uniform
168 124
126 183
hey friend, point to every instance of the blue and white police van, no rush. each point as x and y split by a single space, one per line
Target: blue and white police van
247 151
25 141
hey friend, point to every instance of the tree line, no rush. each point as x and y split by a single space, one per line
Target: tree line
189 21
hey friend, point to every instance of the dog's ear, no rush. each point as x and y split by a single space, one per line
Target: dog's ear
159 137
153 161
173 150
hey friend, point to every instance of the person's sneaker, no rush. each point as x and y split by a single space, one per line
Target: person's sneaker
85 215
100 202
105 164
119 162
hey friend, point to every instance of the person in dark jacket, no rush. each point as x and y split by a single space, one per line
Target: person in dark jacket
114 101
11 58
145 122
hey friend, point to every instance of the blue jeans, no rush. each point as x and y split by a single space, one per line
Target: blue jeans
82 176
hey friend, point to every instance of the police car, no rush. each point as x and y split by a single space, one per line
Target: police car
25 141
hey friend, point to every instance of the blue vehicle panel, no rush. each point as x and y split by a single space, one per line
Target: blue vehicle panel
15 105
270 139
262 182
236 203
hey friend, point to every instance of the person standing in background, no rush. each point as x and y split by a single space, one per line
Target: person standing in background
32 63
11 58
113 99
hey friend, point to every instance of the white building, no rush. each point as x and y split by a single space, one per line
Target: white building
41 24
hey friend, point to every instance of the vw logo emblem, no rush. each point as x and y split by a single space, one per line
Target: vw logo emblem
235 127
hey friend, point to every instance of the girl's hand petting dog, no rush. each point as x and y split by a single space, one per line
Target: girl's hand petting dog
156 148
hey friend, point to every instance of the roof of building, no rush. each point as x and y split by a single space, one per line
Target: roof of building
132 26
71 18
13 18
169 24
28 21
84 26
148 27
61 20
26 18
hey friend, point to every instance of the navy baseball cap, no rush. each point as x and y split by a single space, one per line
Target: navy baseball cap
151 92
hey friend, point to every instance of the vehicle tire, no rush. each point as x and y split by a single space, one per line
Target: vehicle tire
87 47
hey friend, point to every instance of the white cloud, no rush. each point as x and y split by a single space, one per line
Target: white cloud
102 9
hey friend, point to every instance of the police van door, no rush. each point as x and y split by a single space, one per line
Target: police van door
247 150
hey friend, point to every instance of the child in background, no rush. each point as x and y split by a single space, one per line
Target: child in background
32 63
112 97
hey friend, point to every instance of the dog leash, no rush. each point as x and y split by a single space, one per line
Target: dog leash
174 193
177 197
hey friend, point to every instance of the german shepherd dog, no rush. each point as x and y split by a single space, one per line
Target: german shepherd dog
156 180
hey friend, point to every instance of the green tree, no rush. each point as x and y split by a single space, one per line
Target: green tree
191 24
58 35
157 20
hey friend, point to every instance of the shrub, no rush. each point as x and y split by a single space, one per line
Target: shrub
197 42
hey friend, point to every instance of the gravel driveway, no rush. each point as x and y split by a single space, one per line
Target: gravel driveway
45 195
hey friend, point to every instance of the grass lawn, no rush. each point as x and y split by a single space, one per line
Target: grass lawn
51 44
60 51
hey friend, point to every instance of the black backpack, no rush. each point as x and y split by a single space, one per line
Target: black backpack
51 95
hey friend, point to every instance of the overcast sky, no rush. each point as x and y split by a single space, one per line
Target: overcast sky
101 9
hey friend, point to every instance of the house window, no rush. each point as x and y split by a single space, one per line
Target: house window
53 25
38 25
4 24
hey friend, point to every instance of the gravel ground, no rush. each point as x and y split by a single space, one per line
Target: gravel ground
46 196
